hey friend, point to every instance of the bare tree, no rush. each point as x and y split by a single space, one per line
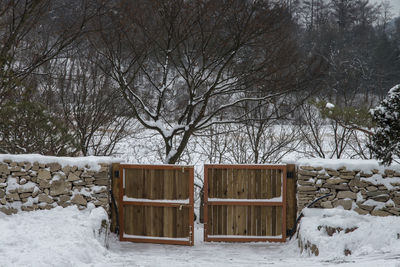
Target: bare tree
327 137
33 32
182 64
93 109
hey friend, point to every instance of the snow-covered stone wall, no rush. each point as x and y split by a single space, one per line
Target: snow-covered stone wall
32 182
360 185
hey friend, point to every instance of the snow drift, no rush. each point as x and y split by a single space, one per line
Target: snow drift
337 233
57 237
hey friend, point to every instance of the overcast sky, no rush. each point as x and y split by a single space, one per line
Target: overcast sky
395 4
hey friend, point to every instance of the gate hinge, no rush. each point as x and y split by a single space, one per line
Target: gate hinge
116 174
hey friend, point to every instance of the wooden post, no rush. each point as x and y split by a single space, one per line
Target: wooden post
291 200
115 191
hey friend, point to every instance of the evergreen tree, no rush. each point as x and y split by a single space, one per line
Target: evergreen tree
386 140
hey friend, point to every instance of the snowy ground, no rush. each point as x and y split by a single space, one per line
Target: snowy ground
67 237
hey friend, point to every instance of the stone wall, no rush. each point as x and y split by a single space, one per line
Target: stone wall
36 182
372 191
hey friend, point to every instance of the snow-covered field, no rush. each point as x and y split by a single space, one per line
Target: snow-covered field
68 237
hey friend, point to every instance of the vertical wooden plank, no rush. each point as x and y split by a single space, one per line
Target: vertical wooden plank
235 190
269 184
269 220
258 181
215 219
234 220
269 209
215 182
263 194
214 193
283 218
174 216
157 190
224 183
182 221
146 221
128 220
180 212
274 183
251 184
278 220
121 207
190 210
146 184
182 183
220 221
115 195
273 217
138 224
133 182
253 220
210 225
224 220
242 183
210 183
205 204
264 221
179 222
169 183
278 178
224 209
248 220
218 182
219 194
230 194
168 213
186 223
167 223
159 218
291 200
241 220
262 174
149 211
260 223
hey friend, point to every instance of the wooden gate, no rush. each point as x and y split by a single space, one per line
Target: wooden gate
245 203
156 204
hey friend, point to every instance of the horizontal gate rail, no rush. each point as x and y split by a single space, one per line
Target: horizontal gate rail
165 206
236 183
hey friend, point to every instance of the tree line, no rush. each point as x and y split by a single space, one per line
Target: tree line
77 77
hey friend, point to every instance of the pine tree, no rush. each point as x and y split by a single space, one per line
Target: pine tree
386 140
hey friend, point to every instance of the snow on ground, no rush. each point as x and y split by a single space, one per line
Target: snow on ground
66 237
366 234
57 237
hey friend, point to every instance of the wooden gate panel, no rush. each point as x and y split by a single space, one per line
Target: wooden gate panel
249 221
245 203
157 184
158 221
157 204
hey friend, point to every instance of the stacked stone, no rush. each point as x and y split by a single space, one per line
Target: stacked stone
28 186
350 189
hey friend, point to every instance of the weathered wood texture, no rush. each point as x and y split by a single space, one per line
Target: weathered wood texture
153 184
248 201
158 203
115 192
291 199
153 221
